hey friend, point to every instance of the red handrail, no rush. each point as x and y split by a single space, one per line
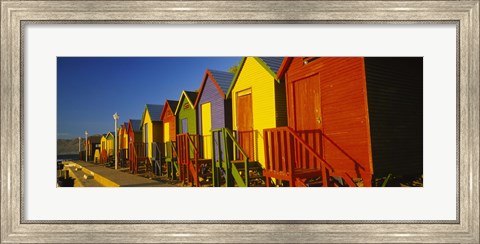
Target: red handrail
279 143
183 143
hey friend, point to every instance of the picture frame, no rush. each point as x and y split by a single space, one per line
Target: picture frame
14 14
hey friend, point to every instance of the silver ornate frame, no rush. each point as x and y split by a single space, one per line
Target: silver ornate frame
465 14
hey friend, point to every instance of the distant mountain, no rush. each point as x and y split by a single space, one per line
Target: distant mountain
69 146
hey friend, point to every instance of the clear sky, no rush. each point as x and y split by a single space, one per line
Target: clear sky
91 89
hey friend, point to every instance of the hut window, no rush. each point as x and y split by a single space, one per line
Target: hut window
186 106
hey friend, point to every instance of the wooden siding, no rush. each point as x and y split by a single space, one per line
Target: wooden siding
103 143
122 137
132 135
211 94
169 117
343 109
186 111
221 112
395 102
154 132
262 84
110 144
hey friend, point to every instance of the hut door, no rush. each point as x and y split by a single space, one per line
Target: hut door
184 126
308 111
308 114
206 127
166 138
245 123
146 139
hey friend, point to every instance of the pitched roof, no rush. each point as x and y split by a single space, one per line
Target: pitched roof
94 139
223 79
110 133
173 104
135 124
154 110
220 79
273 62
271 65
191 98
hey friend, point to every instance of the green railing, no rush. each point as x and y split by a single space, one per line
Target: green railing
157 157
171 156
230 167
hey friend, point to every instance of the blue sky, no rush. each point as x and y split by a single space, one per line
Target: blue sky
91 89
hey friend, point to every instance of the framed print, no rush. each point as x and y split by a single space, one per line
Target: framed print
48 44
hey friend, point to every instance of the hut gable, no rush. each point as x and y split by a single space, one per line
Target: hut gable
213 90
186 97
169 109
213 110
169 120
153 111
151 126
186 113
255 83
134 131
134 125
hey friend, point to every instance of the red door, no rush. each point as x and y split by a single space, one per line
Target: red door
308 117
245 124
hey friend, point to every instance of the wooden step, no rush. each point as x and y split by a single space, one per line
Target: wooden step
251 165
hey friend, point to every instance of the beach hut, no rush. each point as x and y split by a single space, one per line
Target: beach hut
103 149
186 113
123 144
152 134
93 148
348 119
190 157
214 110
170 136
135 145
258 102
110 138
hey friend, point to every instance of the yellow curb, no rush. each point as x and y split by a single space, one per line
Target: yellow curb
74 176
100 179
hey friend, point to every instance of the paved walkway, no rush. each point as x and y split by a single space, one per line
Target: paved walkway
104 176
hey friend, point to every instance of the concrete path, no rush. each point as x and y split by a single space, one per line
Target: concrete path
114 178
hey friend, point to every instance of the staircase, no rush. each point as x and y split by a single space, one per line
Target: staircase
192 168
103 156
139 162
159 167
171 159
233 165
292 161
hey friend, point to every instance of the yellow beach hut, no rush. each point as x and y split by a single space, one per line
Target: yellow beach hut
123 144
103 149
258 103
152 135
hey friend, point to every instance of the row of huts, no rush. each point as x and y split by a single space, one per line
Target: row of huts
283 121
